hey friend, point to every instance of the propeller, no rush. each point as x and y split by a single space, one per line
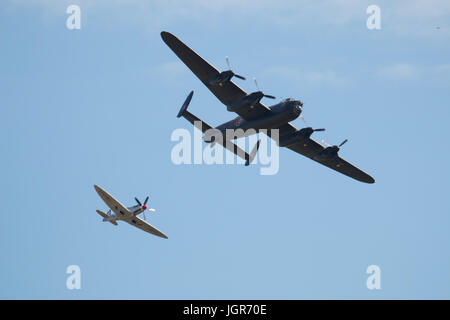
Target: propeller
234 74
314 130
144 206
343 142
304 120
326 143
264 95
329 145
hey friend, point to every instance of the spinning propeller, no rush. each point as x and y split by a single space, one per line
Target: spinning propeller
234 74
144 206
313 130
335 146
264 95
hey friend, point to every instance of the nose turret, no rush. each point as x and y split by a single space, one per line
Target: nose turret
297 107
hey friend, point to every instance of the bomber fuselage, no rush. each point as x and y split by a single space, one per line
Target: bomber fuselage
281 113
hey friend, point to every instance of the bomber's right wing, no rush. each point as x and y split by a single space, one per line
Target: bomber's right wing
141 224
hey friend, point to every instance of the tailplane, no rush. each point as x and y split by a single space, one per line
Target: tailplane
106 217
194 120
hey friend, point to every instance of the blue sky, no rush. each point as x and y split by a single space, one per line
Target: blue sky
98 106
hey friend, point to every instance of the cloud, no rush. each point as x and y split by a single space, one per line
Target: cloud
405 71
169 71
400 17
398 71
309 78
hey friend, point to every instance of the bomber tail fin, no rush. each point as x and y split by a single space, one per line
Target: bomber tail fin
185 105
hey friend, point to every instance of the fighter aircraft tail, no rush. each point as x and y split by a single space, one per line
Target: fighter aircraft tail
105 217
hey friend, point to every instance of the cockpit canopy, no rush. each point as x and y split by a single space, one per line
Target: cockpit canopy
293 100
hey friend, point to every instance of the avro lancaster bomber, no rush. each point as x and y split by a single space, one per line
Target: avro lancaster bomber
252 114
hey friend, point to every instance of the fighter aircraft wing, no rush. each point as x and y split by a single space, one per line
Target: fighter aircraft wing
112 203
310 148
141 224
228 93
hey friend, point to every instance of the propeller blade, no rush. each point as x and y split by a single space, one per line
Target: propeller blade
256 83
145 202
228 62
151 210
343 142
144 216
139 203
321 129
304 120
240 77
264 95
324 142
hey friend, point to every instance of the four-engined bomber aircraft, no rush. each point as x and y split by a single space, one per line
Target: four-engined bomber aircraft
120 212
252 114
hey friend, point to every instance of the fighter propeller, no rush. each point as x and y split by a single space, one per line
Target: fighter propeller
144 206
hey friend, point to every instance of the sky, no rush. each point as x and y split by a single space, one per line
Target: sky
98 106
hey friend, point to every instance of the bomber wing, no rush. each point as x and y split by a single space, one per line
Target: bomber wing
228 93
310 148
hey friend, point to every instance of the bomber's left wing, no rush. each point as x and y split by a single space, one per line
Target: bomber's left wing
228 93
141 224
311 148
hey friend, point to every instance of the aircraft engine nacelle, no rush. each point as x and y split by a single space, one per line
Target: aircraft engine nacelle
298 136
248 100
329 152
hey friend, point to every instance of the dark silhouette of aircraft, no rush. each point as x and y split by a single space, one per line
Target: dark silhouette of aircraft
254 115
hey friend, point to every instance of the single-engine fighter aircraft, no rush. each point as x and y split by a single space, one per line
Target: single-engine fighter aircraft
119 212
252 114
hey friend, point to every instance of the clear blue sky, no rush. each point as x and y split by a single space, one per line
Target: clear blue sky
98 106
